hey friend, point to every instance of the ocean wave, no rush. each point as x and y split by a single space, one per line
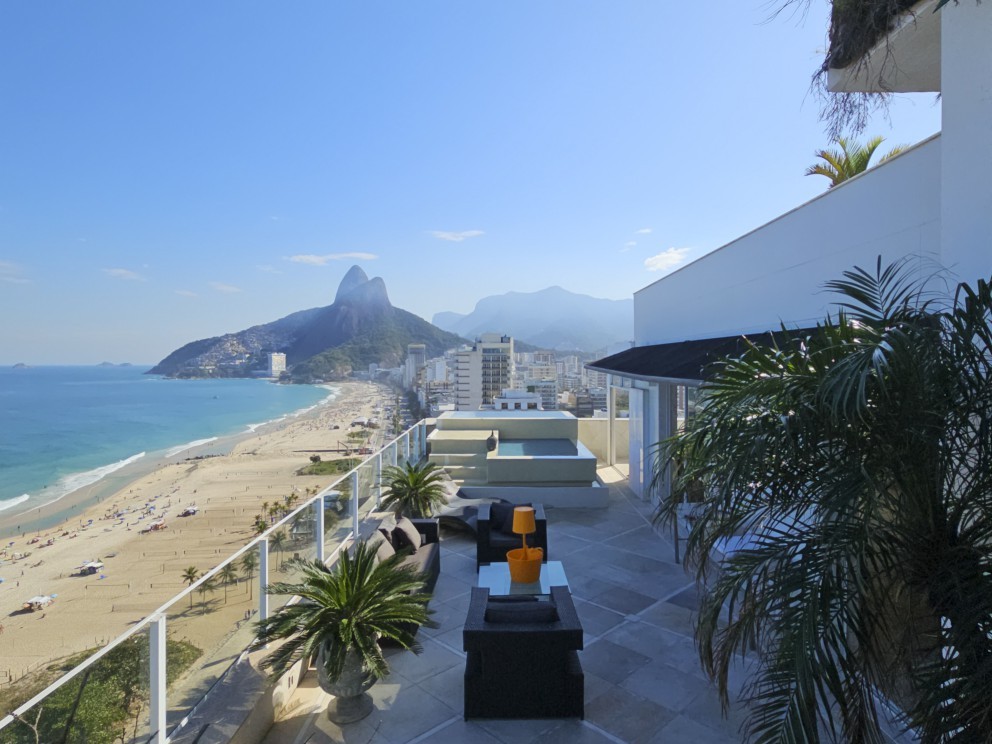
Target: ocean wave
333 393
9 503
74 482
252 428
189 445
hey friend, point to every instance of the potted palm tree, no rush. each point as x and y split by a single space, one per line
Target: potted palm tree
345 610
413 489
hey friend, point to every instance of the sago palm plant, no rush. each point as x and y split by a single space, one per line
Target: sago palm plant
345 608
413 489
860 460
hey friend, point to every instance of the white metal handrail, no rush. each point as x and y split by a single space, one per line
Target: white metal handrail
414 448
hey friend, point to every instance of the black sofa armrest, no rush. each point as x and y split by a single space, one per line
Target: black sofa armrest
427 528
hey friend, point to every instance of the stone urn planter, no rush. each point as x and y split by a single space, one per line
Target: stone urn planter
351 700
344 611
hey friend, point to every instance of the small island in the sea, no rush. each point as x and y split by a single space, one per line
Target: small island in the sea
20 365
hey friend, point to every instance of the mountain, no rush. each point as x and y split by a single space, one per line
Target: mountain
551 318
361 327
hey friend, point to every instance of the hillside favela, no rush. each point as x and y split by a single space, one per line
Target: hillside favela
524 372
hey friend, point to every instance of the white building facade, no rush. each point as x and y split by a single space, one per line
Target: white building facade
483 371
277 364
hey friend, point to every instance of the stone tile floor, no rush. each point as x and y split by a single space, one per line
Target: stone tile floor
643 679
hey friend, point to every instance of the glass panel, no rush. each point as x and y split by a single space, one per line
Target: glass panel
300 530
366 487
106 703
207 631
691 403
281 566
621 434
337 509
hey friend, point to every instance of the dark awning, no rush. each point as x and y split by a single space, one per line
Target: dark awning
685 361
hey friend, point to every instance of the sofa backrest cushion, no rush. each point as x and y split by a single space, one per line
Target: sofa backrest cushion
501 518
520 612
383 548
406 535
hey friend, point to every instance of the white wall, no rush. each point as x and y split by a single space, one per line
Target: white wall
776 272
966 113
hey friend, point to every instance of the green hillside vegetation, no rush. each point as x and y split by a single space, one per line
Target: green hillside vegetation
105 704
329 467
385 345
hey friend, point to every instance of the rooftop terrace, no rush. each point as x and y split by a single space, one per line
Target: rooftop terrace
642 675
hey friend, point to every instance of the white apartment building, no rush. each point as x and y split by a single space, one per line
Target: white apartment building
546 388
931 205
483 371
517 400
277 364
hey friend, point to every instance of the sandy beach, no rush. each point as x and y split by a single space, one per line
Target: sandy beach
143 568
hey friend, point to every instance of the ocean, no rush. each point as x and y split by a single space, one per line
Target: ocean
70 427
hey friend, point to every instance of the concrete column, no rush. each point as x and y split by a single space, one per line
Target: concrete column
157 679
318 527
263 578
966 139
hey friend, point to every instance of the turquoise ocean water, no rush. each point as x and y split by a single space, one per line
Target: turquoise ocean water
66 428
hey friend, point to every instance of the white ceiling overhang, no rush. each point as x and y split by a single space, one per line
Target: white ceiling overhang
905 61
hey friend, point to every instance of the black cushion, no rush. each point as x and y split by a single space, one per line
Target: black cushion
525 613
499 515
501 518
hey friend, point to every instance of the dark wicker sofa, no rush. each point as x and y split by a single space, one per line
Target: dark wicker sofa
522 657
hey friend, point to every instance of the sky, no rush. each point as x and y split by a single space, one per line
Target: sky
175 171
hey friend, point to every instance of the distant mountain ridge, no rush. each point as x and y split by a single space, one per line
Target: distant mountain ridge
551 318
361 327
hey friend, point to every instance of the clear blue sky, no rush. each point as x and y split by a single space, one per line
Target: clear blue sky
172 171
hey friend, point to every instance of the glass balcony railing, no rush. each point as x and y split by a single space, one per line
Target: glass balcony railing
142 685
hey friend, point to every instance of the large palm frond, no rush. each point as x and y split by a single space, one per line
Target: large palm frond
850 160
859 459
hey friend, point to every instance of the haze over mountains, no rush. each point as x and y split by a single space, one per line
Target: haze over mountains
361 327
551 318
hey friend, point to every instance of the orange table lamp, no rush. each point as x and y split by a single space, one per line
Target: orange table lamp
524 562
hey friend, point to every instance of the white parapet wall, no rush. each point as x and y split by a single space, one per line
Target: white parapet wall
775 273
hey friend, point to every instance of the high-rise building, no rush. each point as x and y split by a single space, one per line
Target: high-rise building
416 358
277 364
483 371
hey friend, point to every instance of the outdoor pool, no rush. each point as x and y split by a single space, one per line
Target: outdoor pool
537 448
